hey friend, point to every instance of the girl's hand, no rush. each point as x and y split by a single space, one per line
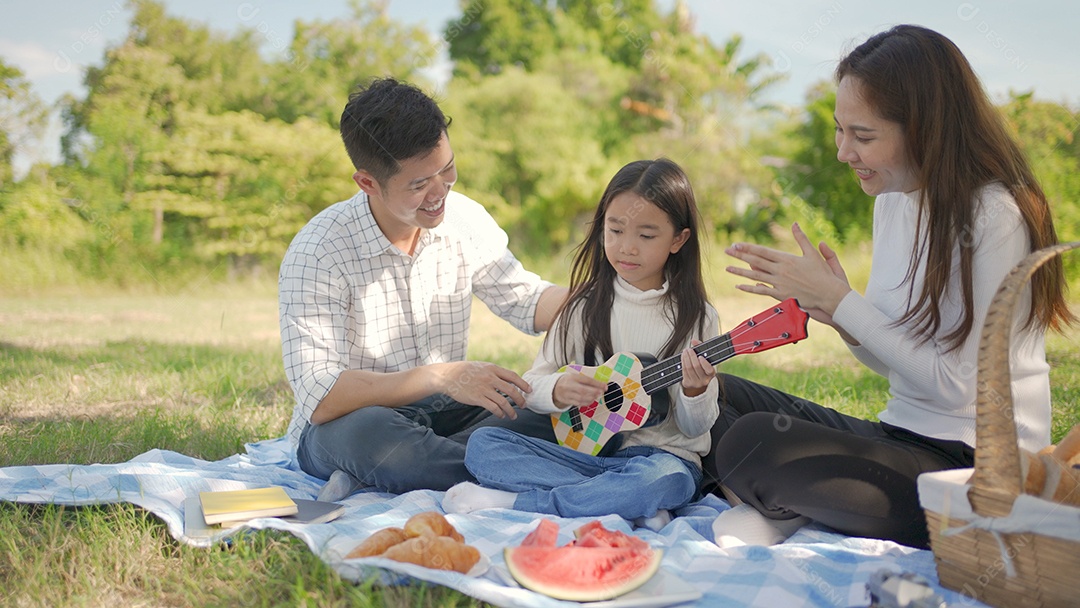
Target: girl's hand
697 371
575 388
816 278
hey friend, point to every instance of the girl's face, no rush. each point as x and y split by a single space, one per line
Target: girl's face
872 146
638 238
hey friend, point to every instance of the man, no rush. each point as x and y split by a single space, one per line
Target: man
375 295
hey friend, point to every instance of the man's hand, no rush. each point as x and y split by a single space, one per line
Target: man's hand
486 385
575 388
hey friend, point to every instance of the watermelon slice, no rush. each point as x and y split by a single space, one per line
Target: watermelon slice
582 574
546 534
600 564
594 534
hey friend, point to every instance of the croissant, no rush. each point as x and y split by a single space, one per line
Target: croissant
1054 473
1068 451
1062 482
378 542
431 523
436 552
1032 471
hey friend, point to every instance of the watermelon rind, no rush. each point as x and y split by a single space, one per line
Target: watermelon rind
582 574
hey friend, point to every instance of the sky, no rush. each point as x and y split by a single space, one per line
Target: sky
1013 45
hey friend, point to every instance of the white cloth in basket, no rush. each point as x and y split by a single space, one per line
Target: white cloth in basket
946 492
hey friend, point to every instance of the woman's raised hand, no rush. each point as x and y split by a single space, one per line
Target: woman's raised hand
815 278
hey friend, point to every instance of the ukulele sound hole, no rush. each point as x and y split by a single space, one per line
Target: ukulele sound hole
613 397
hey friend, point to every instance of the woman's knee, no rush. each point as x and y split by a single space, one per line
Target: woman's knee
750 439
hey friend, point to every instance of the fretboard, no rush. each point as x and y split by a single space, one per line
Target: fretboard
663 374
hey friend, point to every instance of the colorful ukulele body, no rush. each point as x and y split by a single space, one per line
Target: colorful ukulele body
631 383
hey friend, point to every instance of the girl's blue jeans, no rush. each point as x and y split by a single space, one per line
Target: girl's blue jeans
549 478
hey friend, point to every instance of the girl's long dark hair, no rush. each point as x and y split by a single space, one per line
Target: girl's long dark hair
592 291
959 143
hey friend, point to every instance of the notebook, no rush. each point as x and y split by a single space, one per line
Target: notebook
242 505
308 512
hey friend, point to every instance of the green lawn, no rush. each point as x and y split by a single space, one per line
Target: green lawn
103 377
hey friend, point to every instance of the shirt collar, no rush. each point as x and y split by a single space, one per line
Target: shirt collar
633 294
371 240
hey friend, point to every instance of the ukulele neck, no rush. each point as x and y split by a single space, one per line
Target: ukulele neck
663 374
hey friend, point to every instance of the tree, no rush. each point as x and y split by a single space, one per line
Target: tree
651 85
492 35
239 187
130 116
23 118
328 59
1049 133
814 175
223 72
529 152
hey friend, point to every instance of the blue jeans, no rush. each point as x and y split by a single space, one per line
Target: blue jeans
549 478
414 447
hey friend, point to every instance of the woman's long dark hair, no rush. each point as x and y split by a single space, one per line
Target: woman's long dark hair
959 143
592 278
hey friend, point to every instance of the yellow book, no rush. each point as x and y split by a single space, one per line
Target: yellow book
233 505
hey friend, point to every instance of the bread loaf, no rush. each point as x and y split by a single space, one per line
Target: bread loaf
1062 483
1032 471
1068 451
378 542
436 552
431 523
427 539
1053 473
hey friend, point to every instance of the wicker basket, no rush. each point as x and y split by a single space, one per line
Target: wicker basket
1021 568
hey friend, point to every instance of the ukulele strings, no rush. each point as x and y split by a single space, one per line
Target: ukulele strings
725 346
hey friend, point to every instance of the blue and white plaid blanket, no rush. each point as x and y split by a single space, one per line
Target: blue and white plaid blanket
815 567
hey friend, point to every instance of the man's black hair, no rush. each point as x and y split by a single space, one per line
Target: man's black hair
389 121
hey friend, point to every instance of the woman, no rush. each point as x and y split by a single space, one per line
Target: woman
956 208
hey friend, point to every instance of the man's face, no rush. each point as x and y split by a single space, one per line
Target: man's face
415 197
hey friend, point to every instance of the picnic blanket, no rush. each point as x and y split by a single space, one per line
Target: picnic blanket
815 567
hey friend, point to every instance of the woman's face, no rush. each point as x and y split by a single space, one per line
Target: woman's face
872 146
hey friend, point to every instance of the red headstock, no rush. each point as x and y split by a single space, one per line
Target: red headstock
784 323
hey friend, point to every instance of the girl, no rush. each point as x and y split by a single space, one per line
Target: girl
636 286
957 207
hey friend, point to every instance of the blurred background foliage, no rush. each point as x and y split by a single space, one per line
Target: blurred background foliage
194 155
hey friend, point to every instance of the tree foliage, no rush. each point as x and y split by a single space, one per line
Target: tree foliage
626 80
195 150
328 59
22 118
813 174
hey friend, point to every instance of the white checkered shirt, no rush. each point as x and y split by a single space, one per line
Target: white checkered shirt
351 300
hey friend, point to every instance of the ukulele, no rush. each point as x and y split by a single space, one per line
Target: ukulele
628 400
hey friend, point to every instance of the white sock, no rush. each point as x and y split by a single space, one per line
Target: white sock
745 525
655 523
466 497
339 486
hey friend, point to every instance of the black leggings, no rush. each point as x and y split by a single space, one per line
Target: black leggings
788 457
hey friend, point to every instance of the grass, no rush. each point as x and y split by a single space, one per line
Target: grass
91 377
